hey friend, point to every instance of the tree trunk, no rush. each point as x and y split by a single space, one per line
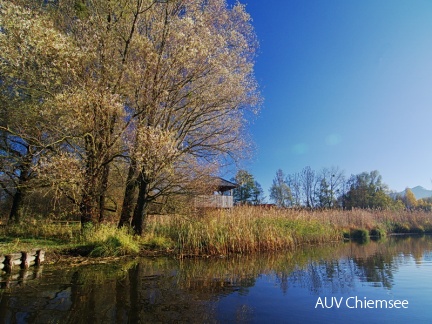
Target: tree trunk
87 209
91 192
90 201
106 168
128 200
15 212
102 195
141 206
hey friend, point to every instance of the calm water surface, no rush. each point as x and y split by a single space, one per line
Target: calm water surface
338 283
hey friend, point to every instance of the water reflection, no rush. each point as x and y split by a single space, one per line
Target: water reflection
166 290
18 278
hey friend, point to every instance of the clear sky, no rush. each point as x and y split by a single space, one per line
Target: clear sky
346 83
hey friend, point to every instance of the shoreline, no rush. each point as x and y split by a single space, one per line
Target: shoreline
72 258
241 230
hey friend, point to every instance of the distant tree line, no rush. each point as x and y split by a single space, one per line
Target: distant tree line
408 200
308 188
329 188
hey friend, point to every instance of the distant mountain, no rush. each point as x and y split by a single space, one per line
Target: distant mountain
419 192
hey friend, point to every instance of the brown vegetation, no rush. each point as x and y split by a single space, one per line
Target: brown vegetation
243 229
252 229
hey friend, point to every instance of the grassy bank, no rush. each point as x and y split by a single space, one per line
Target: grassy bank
102 241
218 232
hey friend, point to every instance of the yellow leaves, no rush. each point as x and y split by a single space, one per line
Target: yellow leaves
155 149
32 49
85 109
182 66
62 171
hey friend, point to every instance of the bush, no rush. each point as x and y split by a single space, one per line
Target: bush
361 235
402 228
378 232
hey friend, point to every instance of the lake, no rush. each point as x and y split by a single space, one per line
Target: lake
387 281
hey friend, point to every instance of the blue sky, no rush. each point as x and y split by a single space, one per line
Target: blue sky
346 83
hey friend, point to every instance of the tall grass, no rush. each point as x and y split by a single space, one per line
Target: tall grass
240 230
252 229
107 240
221 232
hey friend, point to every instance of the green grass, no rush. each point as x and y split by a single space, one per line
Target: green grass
13 245
36 234
101 241
107 240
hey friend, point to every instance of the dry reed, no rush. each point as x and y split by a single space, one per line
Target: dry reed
240 230
253 229
220 232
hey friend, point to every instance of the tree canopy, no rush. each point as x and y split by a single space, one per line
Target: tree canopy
248 191
366 190
280 192
157 93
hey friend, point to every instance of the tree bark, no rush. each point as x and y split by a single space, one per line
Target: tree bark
141 206
90 198
87 209
15 212
128 200
103 191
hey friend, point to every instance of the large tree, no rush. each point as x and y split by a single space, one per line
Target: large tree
308 182
294 182
191 93
409 199
92 105
35 65
330 188
258 194
160 89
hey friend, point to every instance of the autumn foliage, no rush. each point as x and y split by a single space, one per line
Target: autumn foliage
109 106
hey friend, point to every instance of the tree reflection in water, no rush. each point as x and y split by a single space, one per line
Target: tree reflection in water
166 290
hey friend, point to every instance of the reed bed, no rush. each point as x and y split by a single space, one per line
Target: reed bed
253 229
241 230
403 221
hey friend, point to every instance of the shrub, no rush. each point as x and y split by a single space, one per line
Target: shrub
361 235
402 228
418 229
378 232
